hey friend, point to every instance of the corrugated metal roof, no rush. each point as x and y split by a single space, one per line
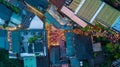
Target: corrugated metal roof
69 44
16 19
3 33
55 55
73 17
3 43
74 62
5 13
53 21
3 40
15 42
116 24
83 47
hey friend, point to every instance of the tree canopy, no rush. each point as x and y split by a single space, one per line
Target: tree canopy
6 62
113 50
112 53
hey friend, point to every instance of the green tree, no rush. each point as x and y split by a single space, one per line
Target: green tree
33 39
112 51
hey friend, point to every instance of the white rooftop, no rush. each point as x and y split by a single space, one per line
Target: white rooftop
36 23
26 55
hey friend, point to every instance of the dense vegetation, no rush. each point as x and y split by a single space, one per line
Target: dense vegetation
13 8
114 3
112 53
6 62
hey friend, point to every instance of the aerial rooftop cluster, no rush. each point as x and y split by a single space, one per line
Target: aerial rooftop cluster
59 33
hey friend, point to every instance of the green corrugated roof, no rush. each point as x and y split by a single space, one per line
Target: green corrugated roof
108 15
